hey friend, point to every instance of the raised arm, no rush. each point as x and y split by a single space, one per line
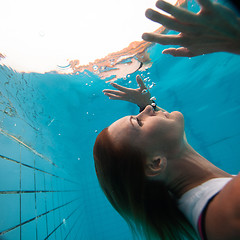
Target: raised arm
140 96
215 28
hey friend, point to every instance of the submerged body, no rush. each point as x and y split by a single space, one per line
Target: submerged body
150 173
158 183
171 161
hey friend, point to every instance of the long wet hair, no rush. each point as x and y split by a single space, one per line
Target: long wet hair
147 206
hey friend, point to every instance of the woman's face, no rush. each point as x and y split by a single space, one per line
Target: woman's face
150 131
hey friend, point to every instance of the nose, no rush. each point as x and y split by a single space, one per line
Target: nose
147 111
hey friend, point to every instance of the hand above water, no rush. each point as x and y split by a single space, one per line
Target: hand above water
215 28
140 96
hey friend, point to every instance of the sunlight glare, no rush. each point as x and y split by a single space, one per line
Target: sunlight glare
39 35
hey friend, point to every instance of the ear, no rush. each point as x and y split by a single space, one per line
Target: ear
156 166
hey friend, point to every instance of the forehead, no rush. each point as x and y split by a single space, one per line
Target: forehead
121 130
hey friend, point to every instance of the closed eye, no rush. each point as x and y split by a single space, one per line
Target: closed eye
140 123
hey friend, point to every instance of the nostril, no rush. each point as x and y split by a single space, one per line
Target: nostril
149 110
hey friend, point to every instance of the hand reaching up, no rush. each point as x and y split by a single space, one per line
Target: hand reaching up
215 28
140 96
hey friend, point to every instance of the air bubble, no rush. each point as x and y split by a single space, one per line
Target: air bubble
153 105
153 98
124 78
130 82
96 131
95 67
78 159
151 86
144 91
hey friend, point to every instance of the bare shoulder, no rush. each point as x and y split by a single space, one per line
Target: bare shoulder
223 213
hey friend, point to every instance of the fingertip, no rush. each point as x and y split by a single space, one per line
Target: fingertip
148 12
160 4
169 51
145 36
139 79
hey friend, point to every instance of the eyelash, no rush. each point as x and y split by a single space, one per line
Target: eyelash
138 121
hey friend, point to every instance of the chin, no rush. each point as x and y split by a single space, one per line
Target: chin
177 115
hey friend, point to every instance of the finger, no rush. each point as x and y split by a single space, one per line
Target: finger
164 39
140 83
114 92
206 4
167 21
113 96
179 52
178 12
121 88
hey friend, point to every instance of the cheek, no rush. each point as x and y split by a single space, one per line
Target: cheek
167 132
163 130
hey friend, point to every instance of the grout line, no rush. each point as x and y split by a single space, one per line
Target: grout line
59 212
30 191
62 209
76 209
78 234
32 219
35 197
73 226
46 204
54 222
26 146
20 196
26 165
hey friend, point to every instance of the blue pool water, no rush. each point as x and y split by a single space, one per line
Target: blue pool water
49 122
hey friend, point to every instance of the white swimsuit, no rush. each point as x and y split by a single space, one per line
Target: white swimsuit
193 202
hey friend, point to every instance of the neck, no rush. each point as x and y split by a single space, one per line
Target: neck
189 170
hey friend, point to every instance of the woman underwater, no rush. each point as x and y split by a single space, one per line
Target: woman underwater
157 182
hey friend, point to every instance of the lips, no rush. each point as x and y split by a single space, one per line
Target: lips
166 114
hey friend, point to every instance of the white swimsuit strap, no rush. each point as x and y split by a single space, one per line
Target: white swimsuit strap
194 201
